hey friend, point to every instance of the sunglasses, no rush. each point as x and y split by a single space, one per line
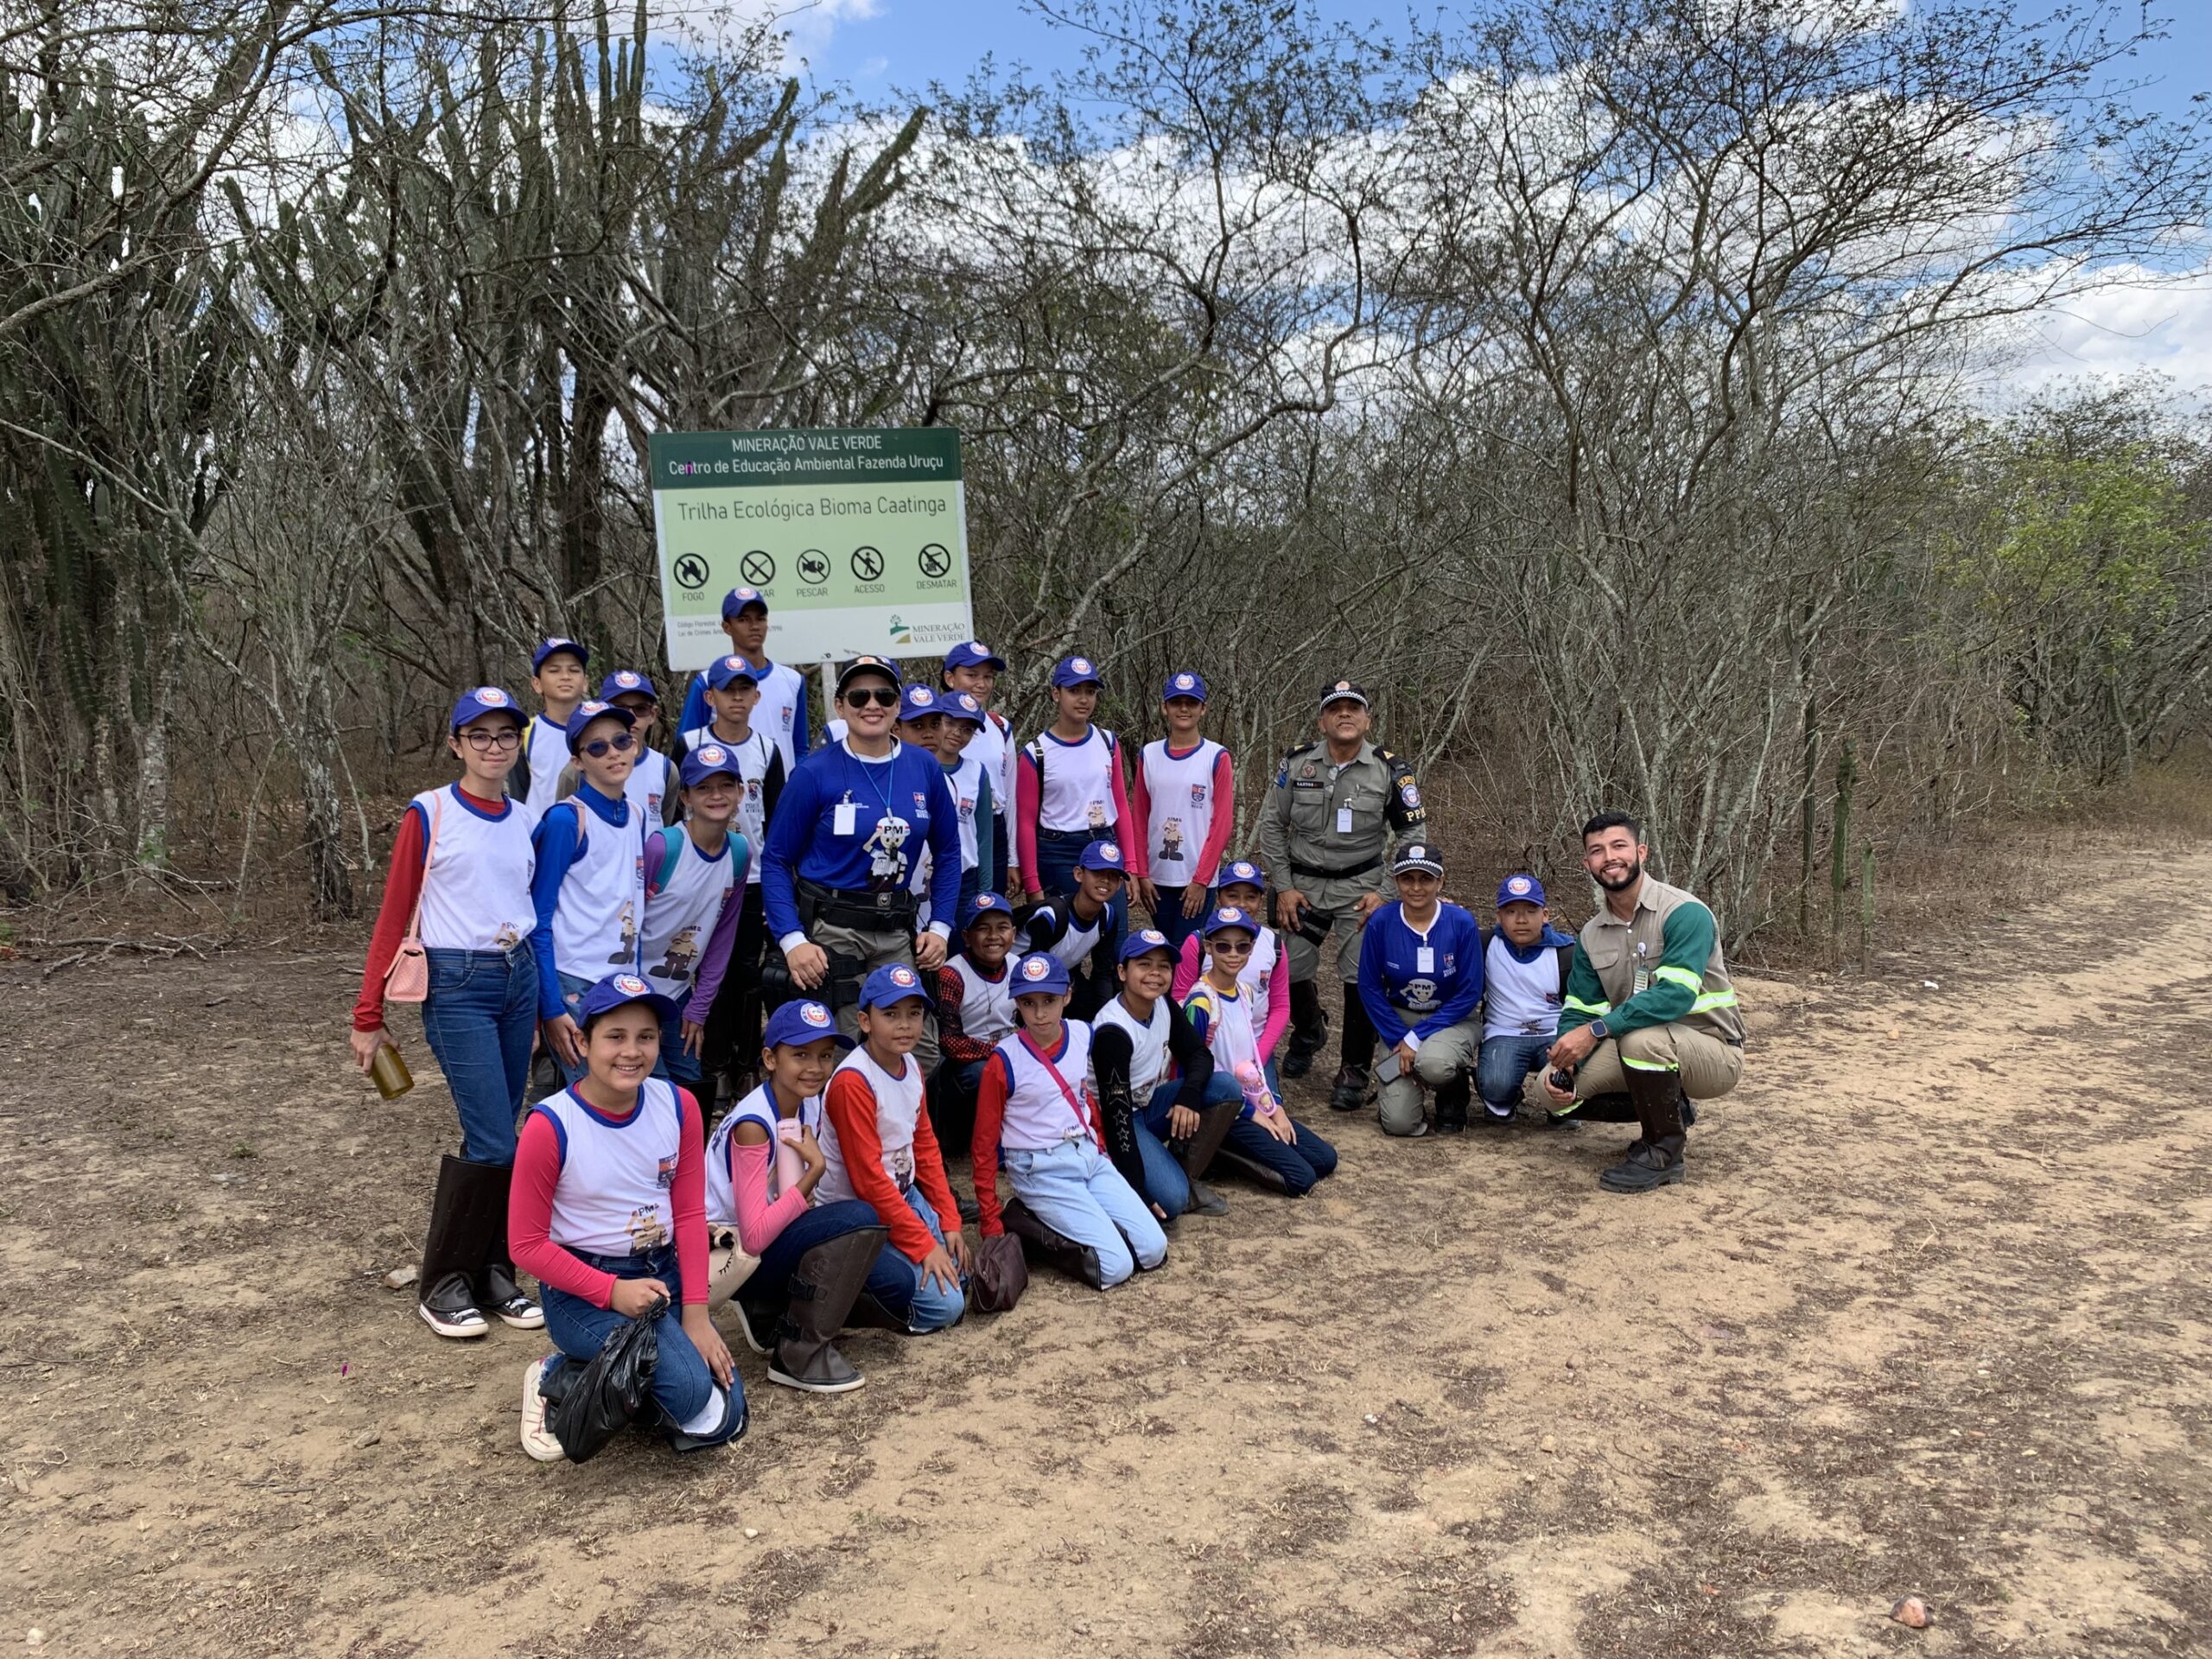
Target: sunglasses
881 696
1222 947
622 744
503 737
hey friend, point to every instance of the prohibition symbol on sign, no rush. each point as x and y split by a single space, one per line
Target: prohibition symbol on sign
691 572
813 566
936 561
758 568
868 563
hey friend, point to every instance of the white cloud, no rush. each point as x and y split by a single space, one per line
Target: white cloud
2137 321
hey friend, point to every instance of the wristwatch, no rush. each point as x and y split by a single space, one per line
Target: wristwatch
1598 1030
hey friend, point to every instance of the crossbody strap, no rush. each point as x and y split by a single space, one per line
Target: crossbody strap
1075 1103
437 816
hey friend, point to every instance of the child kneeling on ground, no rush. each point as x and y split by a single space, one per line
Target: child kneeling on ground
879 1148
794 1271
609 1216
1264 1141
1030 1116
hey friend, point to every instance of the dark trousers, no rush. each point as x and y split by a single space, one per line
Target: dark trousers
731 1044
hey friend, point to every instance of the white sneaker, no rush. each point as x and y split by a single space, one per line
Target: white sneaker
538 1440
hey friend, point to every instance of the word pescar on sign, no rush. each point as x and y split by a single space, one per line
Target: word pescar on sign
857 540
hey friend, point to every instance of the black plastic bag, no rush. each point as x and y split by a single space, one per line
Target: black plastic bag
613 1389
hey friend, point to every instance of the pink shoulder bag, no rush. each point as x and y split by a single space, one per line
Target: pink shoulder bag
408 979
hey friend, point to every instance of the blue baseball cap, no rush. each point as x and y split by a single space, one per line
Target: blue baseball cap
1039 972
1418 856
1183 684
735 600
1520 890
483 700
1146 939
797 1023
554 647
727 671
983 904
617 990
589 711
892 984
974 654
960 705
1243 871
709 761
1230 916
623 681
1101 855
917 700
1075 670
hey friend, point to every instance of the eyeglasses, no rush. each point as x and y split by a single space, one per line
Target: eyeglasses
1229 947
621 743
881 696
502 737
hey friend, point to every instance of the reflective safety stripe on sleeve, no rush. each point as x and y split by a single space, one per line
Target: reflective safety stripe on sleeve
1713 999
1681 977
1593 1009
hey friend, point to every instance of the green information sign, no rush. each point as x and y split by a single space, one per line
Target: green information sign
857 540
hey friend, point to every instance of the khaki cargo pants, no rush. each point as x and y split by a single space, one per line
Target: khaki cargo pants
1338 898
877 948
1710 1068
1440 1057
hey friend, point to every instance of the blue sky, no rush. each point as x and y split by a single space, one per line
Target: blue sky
874 45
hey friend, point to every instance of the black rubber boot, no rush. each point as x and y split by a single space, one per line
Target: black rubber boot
1197 1154
1309 1027
1266 1174
497 1294
1654 1158
869 1314
1616 1108
1451 1106
823 1289
466 1215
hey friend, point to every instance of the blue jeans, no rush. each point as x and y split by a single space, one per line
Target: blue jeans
1165 1183
683 1385
1077 1191
895 1281
1170 919
479 1018
816 1226
1301 1163
1502 1064
674 1064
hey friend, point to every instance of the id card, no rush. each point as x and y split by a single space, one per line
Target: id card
844 821
1424 960
1344 820
1642 980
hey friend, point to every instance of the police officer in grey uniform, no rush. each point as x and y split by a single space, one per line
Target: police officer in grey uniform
1326 827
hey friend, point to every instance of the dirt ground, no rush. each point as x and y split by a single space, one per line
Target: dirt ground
1930 1318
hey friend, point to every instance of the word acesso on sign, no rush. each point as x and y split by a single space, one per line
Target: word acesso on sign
928 506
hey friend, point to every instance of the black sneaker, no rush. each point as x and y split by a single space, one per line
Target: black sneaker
969 1210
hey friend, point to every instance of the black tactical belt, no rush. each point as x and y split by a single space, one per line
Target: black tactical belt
857 908
1297 868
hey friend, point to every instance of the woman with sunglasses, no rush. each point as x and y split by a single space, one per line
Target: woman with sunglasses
589 893
1264 1141
836 876
459 881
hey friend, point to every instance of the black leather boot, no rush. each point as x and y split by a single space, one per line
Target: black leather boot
1078 1262
823 1289
1451 1106
1197 1154
466 1215
1309 1027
